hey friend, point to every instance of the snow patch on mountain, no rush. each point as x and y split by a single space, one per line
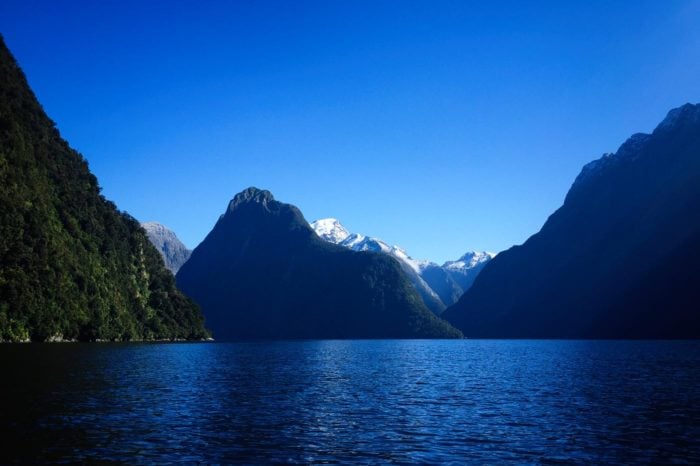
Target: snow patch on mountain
330 230
459 274
469 261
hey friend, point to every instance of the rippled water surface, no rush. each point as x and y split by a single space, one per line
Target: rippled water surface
352 401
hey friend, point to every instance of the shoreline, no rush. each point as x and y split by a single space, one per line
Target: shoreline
54 340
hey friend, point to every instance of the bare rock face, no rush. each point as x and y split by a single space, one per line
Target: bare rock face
174 253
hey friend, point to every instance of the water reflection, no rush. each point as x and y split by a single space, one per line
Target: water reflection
353 401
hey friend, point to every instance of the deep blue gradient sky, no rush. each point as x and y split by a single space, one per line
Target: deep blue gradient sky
439 126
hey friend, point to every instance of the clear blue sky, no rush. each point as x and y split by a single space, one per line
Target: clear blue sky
439 126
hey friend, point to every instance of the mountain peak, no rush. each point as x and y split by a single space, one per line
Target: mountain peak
685 114
263 273
155 227
251 195
173 251
469 260
617 260
330 229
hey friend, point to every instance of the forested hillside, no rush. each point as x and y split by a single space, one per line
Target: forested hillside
72 266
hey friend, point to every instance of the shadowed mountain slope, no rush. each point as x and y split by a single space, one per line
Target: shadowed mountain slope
262 272
618 260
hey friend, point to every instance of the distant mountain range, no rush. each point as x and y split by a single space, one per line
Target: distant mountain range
438 285
618 260
453 278
165 240
262 272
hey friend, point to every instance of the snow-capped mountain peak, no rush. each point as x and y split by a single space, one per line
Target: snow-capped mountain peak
437 285
469 260
359 242
330 230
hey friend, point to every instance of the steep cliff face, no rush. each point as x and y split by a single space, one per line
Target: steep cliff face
171 249
71 265
618 259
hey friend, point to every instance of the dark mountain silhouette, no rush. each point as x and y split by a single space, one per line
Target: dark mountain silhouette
618 260
71 265
262 272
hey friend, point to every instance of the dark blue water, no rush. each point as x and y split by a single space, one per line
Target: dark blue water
352 401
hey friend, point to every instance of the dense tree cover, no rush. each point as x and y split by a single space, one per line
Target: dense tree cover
71 264
262 272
